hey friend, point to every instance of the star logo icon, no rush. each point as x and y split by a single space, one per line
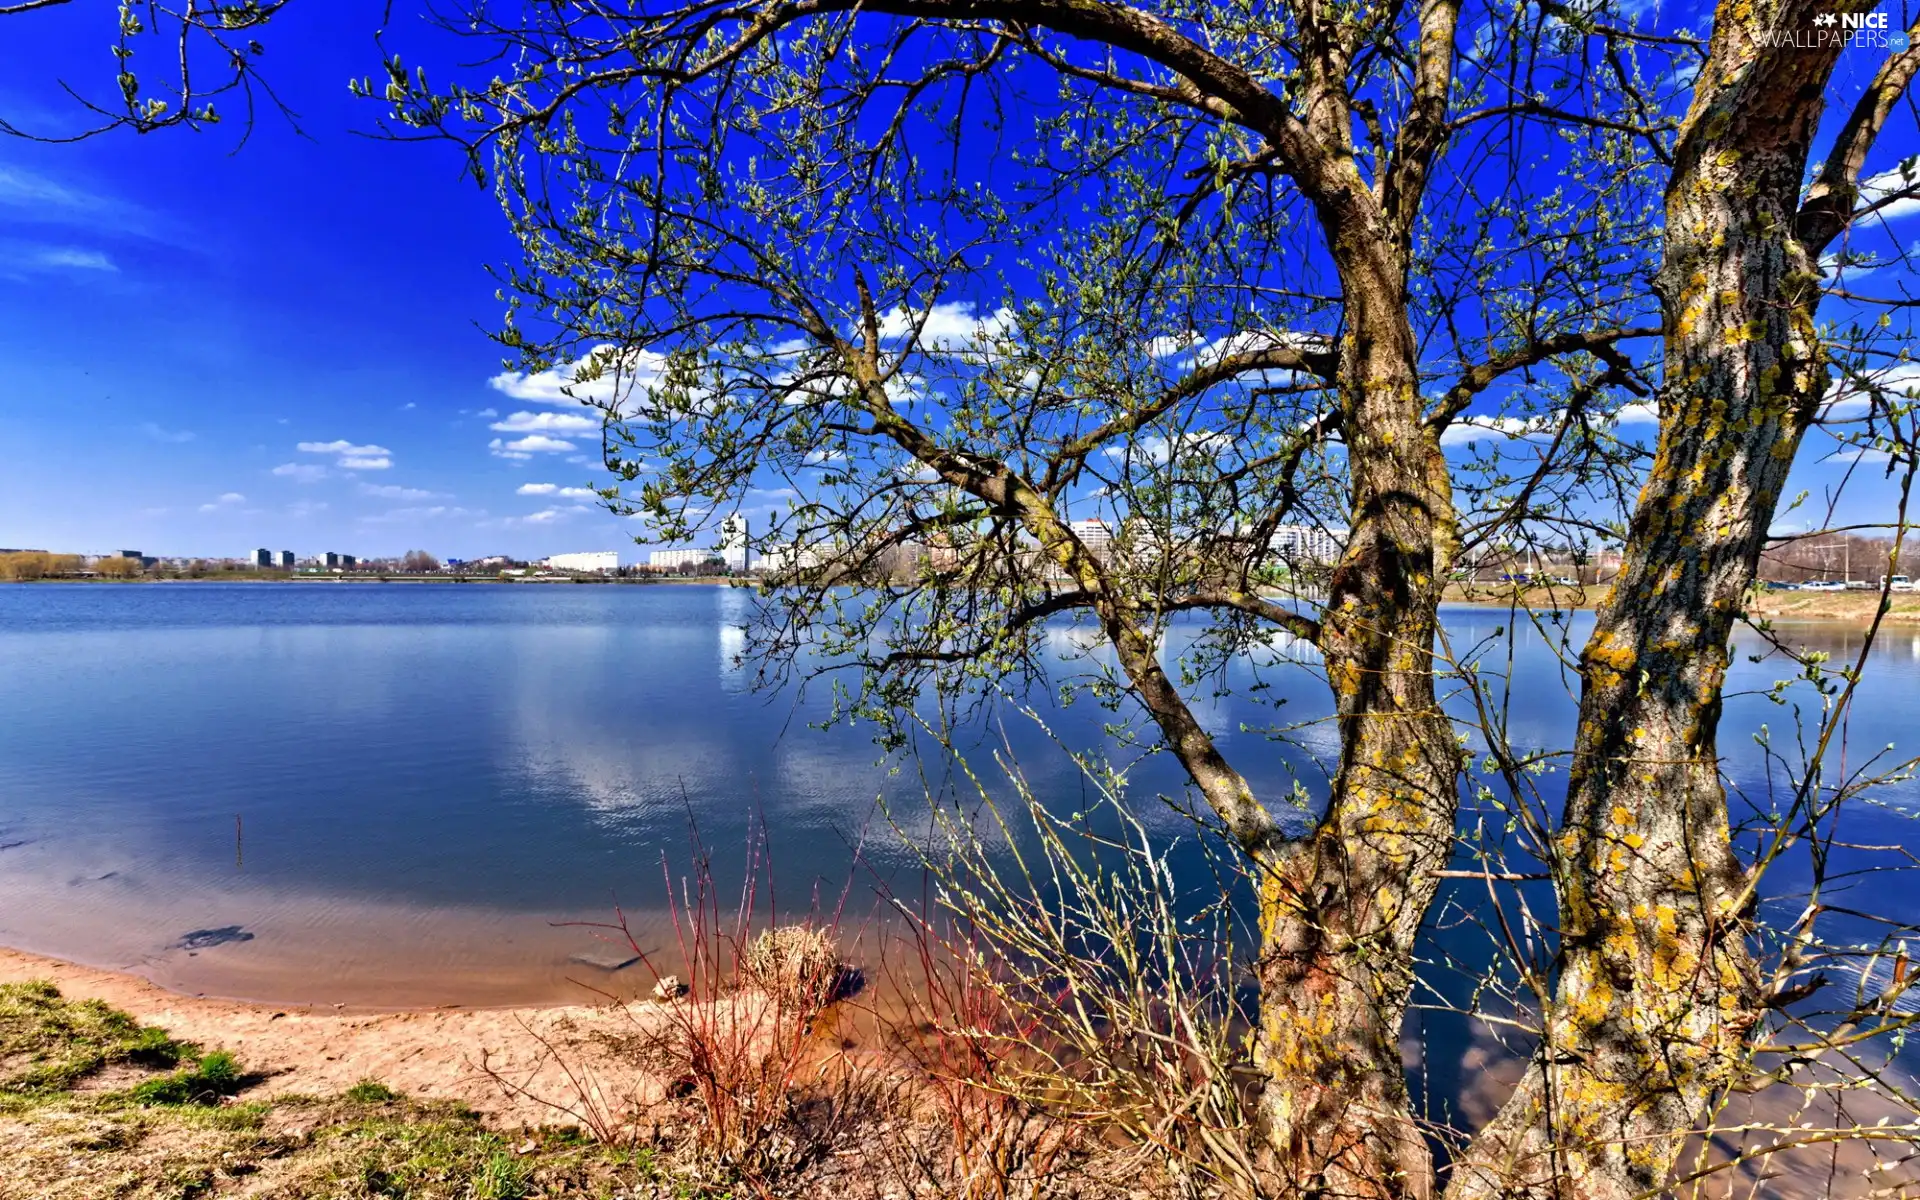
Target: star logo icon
1825 18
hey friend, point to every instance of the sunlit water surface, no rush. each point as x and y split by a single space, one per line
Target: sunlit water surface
410 794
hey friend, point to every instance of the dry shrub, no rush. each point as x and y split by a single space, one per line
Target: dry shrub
798 963
971 1138
745 1041
1066 978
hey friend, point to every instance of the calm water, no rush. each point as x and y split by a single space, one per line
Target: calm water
430 780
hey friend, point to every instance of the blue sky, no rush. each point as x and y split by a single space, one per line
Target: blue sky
203 351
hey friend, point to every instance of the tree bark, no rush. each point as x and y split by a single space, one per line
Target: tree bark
1341 909
1656 992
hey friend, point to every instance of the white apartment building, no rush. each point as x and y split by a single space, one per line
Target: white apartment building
586 561
673 560
1094 533
1307 543
791 556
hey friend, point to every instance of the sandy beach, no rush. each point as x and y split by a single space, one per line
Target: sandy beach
443 1054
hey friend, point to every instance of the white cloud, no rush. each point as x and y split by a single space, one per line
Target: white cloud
554 489
537 443
163 435
1852 396
549 516
952 325
301 472
73 258
1153 448
617 374
226 500
1170 347
306 508
1476 429
352 457
395 492
340 447
546 422
488 412
1640 412
1890 183
1859 454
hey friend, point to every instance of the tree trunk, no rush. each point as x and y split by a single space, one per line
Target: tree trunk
1341 909
1656 993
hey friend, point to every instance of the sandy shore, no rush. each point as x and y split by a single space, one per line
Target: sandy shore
546 1054
1853 608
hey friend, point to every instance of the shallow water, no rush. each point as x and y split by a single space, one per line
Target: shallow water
402 795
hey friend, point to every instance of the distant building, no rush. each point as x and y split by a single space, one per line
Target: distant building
263 558
1307 543
329 559
286 560
1093 533
673 560
735 540
132 554
792 556
348 562
590 560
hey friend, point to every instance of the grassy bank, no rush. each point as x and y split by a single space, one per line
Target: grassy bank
753 1098
95 1105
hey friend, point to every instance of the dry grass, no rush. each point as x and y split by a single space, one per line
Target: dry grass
798 964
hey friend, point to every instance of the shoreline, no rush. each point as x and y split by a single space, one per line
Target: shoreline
446 1053
1854 609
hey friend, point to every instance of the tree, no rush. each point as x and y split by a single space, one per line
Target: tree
117 568
785 245
783 267
1659 993
419 562
208 44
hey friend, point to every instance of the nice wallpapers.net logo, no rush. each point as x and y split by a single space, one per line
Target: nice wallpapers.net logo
1849 31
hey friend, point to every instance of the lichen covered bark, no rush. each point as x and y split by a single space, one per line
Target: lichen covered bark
1341 909
1656 993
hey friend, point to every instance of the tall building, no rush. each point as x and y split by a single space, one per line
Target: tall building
263 557
735 540
590 560
348 562
329 560
286 560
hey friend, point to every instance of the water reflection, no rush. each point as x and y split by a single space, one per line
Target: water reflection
431 777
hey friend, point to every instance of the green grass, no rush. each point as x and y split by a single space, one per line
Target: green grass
371 1091
419 1154
210 1080
49 1043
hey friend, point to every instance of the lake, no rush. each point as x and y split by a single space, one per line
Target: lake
402 795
